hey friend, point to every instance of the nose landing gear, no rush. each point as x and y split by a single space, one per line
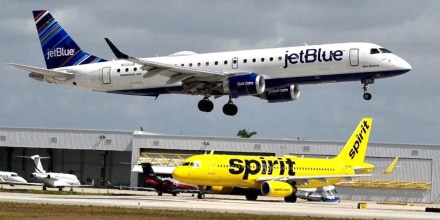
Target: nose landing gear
367 82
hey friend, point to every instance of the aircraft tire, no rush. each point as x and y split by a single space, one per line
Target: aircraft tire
367 96
205 105
159 193
200 196
292 198
230 109
251 196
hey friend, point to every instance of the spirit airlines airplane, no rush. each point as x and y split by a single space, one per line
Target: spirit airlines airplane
270 74
54 180
281 176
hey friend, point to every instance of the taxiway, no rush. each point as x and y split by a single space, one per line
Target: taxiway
226 203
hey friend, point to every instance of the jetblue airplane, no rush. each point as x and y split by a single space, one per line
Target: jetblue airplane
270 74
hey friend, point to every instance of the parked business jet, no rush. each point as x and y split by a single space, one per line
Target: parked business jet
281 176
54 180
270 74
322 194
11 178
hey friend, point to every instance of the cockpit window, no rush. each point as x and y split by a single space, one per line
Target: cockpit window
374 51
196 164
186 164
383 50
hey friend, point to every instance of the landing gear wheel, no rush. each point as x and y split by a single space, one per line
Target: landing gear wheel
367 82
159 193
367 96
205 105
292 198
230 109
201 193
200 196
251 196
44 187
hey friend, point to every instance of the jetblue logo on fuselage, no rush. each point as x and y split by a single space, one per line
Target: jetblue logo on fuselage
359 138
264 165
312 55
59 52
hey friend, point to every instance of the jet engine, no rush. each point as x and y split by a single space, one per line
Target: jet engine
276 189
286 94
248 84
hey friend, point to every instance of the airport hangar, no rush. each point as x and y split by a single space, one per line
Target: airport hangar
98 155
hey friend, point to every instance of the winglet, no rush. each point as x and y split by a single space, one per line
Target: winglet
115 50
391 167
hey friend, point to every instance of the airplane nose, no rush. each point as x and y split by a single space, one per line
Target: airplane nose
177 173
403 65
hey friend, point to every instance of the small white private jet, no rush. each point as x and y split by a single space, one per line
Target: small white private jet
54 180
11 178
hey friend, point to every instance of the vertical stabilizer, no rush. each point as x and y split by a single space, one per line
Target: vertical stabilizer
59 49
37 164
356 147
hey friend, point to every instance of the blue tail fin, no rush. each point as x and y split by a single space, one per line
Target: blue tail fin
59 49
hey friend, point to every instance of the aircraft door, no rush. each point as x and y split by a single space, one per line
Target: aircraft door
212 165
106 75
235 63
354 57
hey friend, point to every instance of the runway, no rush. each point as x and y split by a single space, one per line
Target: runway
228 203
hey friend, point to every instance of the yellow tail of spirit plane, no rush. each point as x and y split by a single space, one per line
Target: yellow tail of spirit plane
280 176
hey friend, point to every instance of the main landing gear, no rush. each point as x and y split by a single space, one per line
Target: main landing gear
367 82
201 193
206 105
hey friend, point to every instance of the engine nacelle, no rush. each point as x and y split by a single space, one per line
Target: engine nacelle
276 189
290 93
249 84
40 175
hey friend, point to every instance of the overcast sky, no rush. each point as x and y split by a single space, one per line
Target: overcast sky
406 108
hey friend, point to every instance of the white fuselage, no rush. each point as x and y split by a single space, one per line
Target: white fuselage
11 177
280 67
51 179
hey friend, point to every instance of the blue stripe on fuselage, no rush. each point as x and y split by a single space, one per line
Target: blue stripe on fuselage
273 83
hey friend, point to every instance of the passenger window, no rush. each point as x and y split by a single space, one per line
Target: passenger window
190 65
126 69
374 51
262 59
254 60
135 69
207 63
271 59
182 64
199 64
216 63
226 62
280 58
245 61
234 61
118 70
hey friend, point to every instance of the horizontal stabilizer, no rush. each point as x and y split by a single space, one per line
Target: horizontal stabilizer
46 72
391 167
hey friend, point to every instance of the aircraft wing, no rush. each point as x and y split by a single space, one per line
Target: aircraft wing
181 73
21 184
300 180
46 72
324 178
